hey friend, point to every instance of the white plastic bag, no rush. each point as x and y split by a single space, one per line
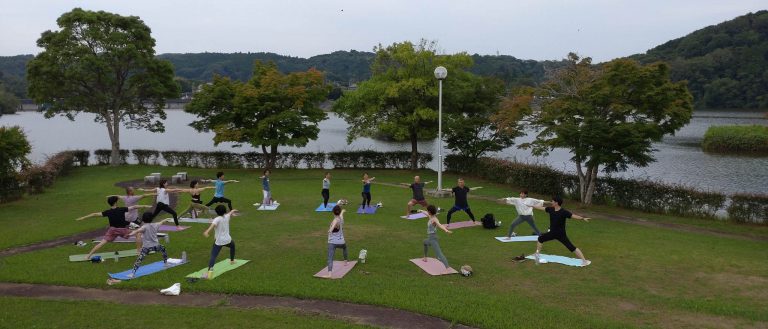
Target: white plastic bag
173 290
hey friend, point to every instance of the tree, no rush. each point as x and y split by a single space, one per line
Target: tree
269 110
14 149
8 101
400 99
105 64
609 118
485 121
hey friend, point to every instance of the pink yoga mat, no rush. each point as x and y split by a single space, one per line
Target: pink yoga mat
432 266
339 270
172 228
456 225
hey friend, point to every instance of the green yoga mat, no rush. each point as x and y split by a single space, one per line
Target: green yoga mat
105 255
220 268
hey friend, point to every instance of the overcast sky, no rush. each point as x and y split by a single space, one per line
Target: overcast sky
528 29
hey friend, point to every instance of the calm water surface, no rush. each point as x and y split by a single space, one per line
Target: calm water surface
679 158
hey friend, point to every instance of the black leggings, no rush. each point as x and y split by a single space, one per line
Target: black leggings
326 195
559 236
164 207
455 209
215 253
220 200
366 199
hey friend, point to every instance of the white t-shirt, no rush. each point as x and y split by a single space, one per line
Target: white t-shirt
162 196
222 230
523 205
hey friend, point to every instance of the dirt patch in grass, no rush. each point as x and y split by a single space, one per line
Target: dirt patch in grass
356 313
85 236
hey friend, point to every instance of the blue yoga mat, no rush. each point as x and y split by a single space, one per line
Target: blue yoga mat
143 270
320 208
559 259
369 210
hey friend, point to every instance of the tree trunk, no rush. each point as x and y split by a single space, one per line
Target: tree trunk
113 128
414 150
267 159
592 176
273 156
582 180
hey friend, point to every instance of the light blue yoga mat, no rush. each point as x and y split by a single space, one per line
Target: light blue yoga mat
559 259
330 206
519 238
144 270
369 210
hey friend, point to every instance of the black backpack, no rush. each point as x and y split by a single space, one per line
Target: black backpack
489 221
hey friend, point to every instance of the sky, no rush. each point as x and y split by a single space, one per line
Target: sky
527 29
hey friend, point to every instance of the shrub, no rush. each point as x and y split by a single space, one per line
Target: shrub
647 196
103 156
180 158
145 157
749 208
314 160
736 139
81 157
41 176
14 149
376 160
254 160
219 159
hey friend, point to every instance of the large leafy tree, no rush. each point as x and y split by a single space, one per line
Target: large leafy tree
269 110
482 120
14 149
400 99
8 101
102 63
609 118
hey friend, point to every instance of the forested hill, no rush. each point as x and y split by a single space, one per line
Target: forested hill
726 65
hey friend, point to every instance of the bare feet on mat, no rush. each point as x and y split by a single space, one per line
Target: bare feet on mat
328 276
112 281
346 263
585 262
130 276
232 262
424 259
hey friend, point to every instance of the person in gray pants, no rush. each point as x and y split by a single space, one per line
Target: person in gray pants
524 206
431 240
336 238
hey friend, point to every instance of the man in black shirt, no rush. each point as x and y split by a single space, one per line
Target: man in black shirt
557 217
418 194
118 225
460 200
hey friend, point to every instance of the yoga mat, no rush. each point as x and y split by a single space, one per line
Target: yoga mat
523 238
559 259
147 269
219 269
172 228
414 216
329 208
370 210
339 270
463 224
272 207
196 220
432 266
105 255
129 240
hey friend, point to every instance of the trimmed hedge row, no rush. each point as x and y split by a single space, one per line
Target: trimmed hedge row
644 195
367 159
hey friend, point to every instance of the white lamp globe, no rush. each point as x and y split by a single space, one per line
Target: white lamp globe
440 73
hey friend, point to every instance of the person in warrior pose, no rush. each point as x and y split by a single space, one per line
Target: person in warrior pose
336 238
524 206
366 191
418 194
460 200
118 227
557 217
218 195
431 240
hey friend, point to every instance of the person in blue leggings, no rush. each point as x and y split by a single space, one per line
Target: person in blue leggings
223 239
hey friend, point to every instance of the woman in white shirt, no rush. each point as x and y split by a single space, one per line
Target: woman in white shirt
524 206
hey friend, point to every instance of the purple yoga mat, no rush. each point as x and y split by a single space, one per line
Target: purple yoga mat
463 224
172 228
118 239
370 210
339 270
432 266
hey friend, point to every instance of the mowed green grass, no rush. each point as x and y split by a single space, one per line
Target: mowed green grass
640 276
32 313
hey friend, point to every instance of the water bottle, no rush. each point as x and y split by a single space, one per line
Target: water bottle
167 238
183 257
117 256
362 256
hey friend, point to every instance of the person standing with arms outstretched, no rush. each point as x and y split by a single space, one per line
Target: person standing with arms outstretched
163 202
557 217
196 204
366 191
223 239
326 192
118 227
149 243
130 199
524 206
418 194
266 190
218 195
336 238
460 200
432 224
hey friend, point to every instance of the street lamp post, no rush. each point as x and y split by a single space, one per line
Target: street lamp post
440 74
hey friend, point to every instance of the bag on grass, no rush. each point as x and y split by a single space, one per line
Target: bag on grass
489 221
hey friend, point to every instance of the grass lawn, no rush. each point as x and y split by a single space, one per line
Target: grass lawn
640 276
32 313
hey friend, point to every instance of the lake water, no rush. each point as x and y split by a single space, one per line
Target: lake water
679 158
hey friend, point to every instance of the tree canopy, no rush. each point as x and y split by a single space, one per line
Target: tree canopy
270 110
102 63
609 117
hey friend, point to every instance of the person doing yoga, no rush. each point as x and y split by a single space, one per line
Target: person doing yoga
367 190
163 202
218 195
118 227
557 217
460 200
418 194
326 192
222 238
524 206
336 238
196 204
431 241
149 242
